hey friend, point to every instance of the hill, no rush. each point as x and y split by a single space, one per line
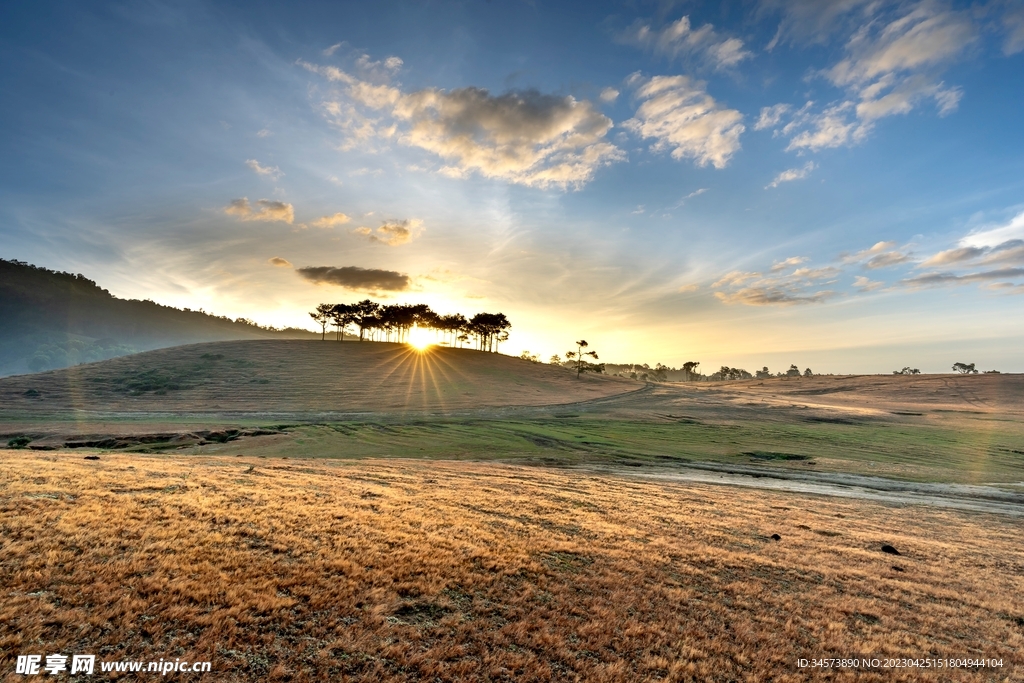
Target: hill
53 319
300 376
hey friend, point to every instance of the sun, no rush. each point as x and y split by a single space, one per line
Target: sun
420 338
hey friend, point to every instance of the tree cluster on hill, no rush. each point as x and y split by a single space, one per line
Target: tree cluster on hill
53 319
643 372
725 372
393 322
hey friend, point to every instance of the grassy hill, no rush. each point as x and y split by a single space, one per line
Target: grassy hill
53 320
300 376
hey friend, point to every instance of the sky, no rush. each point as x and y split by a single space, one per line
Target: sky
837 185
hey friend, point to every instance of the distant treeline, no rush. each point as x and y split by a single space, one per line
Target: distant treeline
393 322
688 372
52 319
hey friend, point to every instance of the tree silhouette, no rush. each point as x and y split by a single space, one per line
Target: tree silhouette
964 368
489 329
343 315
322 315
690 369
366 316
578 356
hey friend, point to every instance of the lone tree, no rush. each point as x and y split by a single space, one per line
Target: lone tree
907 370
578 354
322 315
690 370
964 368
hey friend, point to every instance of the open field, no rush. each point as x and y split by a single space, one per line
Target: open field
351 400
322 511
409 570
299 377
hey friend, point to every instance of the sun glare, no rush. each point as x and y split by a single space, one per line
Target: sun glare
419 338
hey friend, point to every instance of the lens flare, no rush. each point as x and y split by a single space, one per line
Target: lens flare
420 338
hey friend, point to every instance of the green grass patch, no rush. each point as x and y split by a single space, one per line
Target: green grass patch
912 452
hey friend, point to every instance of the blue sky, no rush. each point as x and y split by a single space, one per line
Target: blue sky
837 185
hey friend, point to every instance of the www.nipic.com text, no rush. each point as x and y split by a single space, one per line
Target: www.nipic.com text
86 664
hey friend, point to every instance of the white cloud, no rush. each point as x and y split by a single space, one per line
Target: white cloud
735 278
792 261
865 284
265 210
696 193
885 260
771 116
680 39
331 221
792 174
879 255
609 95
790 282
946 278
523 137
950 256
392 233
1013 24
1002 245
811 274
331 50
830 128
892 63
278 261
922 38
262 133
991 237
680 115
993 253
272 172
801 286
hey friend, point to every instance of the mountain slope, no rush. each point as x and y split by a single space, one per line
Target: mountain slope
50 319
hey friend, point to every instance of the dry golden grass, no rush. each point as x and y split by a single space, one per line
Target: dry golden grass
412 570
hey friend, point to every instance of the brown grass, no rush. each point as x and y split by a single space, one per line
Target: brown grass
411 570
